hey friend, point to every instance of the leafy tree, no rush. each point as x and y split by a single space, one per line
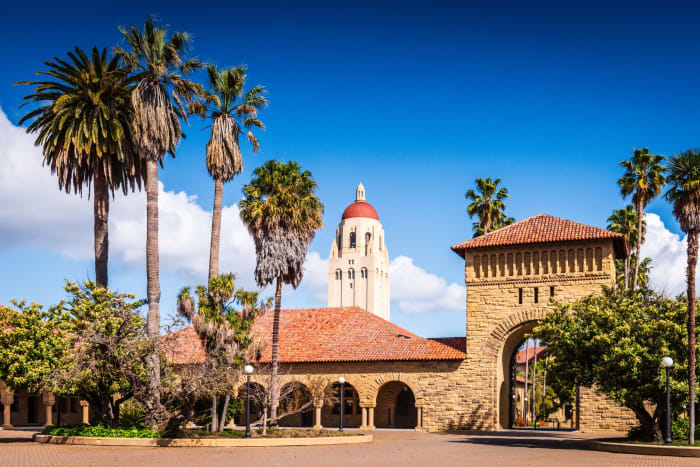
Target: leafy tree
231 109
282 213
487 204
159 68
684 178
624 221
83 125
643 179
33 343
616 341
108 349
224 333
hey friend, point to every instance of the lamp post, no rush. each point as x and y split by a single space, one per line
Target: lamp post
248 371
341 380
515 409
667 362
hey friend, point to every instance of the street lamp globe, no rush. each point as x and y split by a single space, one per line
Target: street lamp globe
248 369
667 362
341 380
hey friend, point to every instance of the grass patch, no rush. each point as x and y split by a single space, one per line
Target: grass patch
99 431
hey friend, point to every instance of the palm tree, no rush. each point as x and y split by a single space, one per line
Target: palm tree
159 69
684 178
488 206
231 109
624 221
643 179
644 271
282 213
83 126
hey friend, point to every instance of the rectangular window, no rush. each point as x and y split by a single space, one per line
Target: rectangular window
520 296
551 291
537 294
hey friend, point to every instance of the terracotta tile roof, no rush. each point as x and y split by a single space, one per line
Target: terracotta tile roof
541 352
458 343
542 228
348 334
183 347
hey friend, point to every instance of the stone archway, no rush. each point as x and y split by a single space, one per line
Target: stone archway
498 351
396 406
296 405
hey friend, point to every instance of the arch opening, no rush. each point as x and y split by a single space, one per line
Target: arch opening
296 405
256 407
396 406
352 414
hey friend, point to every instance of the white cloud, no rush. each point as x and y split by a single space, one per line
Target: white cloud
668 254
33 213
316 277
415 290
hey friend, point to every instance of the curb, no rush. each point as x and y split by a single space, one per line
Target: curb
645 449
216 442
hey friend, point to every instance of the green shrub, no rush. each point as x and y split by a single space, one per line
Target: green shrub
132 416
99 431
680 429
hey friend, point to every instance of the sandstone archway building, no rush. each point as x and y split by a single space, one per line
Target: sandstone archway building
397 378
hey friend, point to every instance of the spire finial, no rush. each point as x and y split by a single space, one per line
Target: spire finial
360 192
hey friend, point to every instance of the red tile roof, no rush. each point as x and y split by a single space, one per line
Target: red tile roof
348 334
458 343
542 228
541 352
183 347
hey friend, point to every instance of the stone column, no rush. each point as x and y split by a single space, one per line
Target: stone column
49 400
86 411
370 425
317 416
364 418
419 418
7 398
7 401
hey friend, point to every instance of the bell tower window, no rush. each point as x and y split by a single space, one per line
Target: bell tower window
352 240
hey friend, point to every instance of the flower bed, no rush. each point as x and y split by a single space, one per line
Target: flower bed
271 433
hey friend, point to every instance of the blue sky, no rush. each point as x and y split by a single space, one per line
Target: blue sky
415 101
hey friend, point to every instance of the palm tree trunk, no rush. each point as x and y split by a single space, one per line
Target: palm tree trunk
215 230
101 227
153 287
627 272
224 409
692 263
640 219
214 420
274 396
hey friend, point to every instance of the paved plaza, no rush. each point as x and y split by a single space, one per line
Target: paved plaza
389 448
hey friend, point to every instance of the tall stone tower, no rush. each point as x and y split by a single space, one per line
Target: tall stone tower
358 268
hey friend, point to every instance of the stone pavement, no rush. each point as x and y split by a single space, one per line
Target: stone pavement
390 448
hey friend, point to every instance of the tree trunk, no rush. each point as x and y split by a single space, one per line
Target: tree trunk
215 230
101 227
649 424
224 409
640 219
692 263
274 391
214 416
627 272
153 405
526 408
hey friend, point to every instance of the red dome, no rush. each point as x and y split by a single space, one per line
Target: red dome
360 209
